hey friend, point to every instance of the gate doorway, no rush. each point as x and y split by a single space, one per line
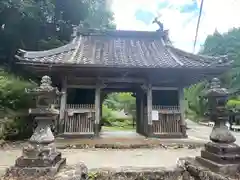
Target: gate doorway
118 113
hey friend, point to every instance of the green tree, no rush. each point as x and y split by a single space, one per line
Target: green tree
44 24
38 25
217 45
226 44
121 101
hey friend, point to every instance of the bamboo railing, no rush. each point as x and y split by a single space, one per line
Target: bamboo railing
168 120
79 118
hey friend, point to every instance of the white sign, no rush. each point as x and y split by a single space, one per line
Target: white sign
155 116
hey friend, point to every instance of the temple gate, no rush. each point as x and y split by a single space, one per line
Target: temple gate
145 63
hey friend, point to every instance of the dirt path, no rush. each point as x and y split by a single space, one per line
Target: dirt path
99 158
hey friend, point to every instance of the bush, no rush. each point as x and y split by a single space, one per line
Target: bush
109 118
19 128
123 122
14 103
233 103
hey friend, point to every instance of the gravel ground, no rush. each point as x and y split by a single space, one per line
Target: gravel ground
100 158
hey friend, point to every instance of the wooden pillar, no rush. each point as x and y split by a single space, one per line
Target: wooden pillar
149 109
142 113
63 103
137 112
102 97
182 110
97 110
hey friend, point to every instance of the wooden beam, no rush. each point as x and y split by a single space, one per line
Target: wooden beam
182 110
181 101
109 79
164 88
97 104
149 104
63 98
107 86
142 118
123 80
81 86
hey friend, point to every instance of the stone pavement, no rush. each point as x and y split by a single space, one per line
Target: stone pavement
202 132
100 158
125 142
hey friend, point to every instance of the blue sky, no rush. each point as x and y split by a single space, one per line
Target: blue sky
179 16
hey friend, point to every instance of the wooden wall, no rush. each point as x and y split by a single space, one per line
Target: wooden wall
79 118
168 120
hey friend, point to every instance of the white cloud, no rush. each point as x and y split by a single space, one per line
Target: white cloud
220 14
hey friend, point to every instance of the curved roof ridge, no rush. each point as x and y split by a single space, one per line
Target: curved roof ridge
119 33
171 53
114 51
38 54
205 58
78 41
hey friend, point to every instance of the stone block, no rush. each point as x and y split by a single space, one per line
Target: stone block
226 169
222 158
22 172
74 172
199 171
222 148
38 162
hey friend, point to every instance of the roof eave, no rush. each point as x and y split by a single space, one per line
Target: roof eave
24 62
210 58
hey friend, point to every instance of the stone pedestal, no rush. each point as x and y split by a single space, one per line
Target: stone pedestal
221 158
220 155
40 157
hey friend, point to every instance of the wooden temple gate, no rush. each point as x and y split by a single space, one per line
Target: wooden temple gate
151 119
145 62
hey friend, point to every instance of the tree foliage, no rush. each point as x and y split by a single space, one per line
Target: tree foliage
14 102
38 25
121 101
44 24
116 102
217 45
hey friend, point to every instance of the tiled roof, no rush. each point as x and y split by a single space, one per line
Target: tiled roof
133 49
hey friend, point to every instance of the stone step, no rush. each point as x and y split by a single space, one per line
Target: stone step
38 162
222 159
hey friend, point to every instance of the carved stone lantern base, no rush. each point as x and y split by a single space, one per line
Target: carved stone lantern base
37 160
221 158
40 157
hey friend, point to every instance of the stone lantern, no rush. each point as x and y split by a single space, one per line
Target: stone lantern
221 155
40 157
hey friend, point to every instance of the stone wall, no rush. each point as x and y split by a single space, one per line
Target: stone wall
136 173
186 169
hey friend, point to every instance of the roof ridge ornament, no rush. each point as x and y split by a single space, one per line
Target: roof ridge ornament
159 23
76 30
164 32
